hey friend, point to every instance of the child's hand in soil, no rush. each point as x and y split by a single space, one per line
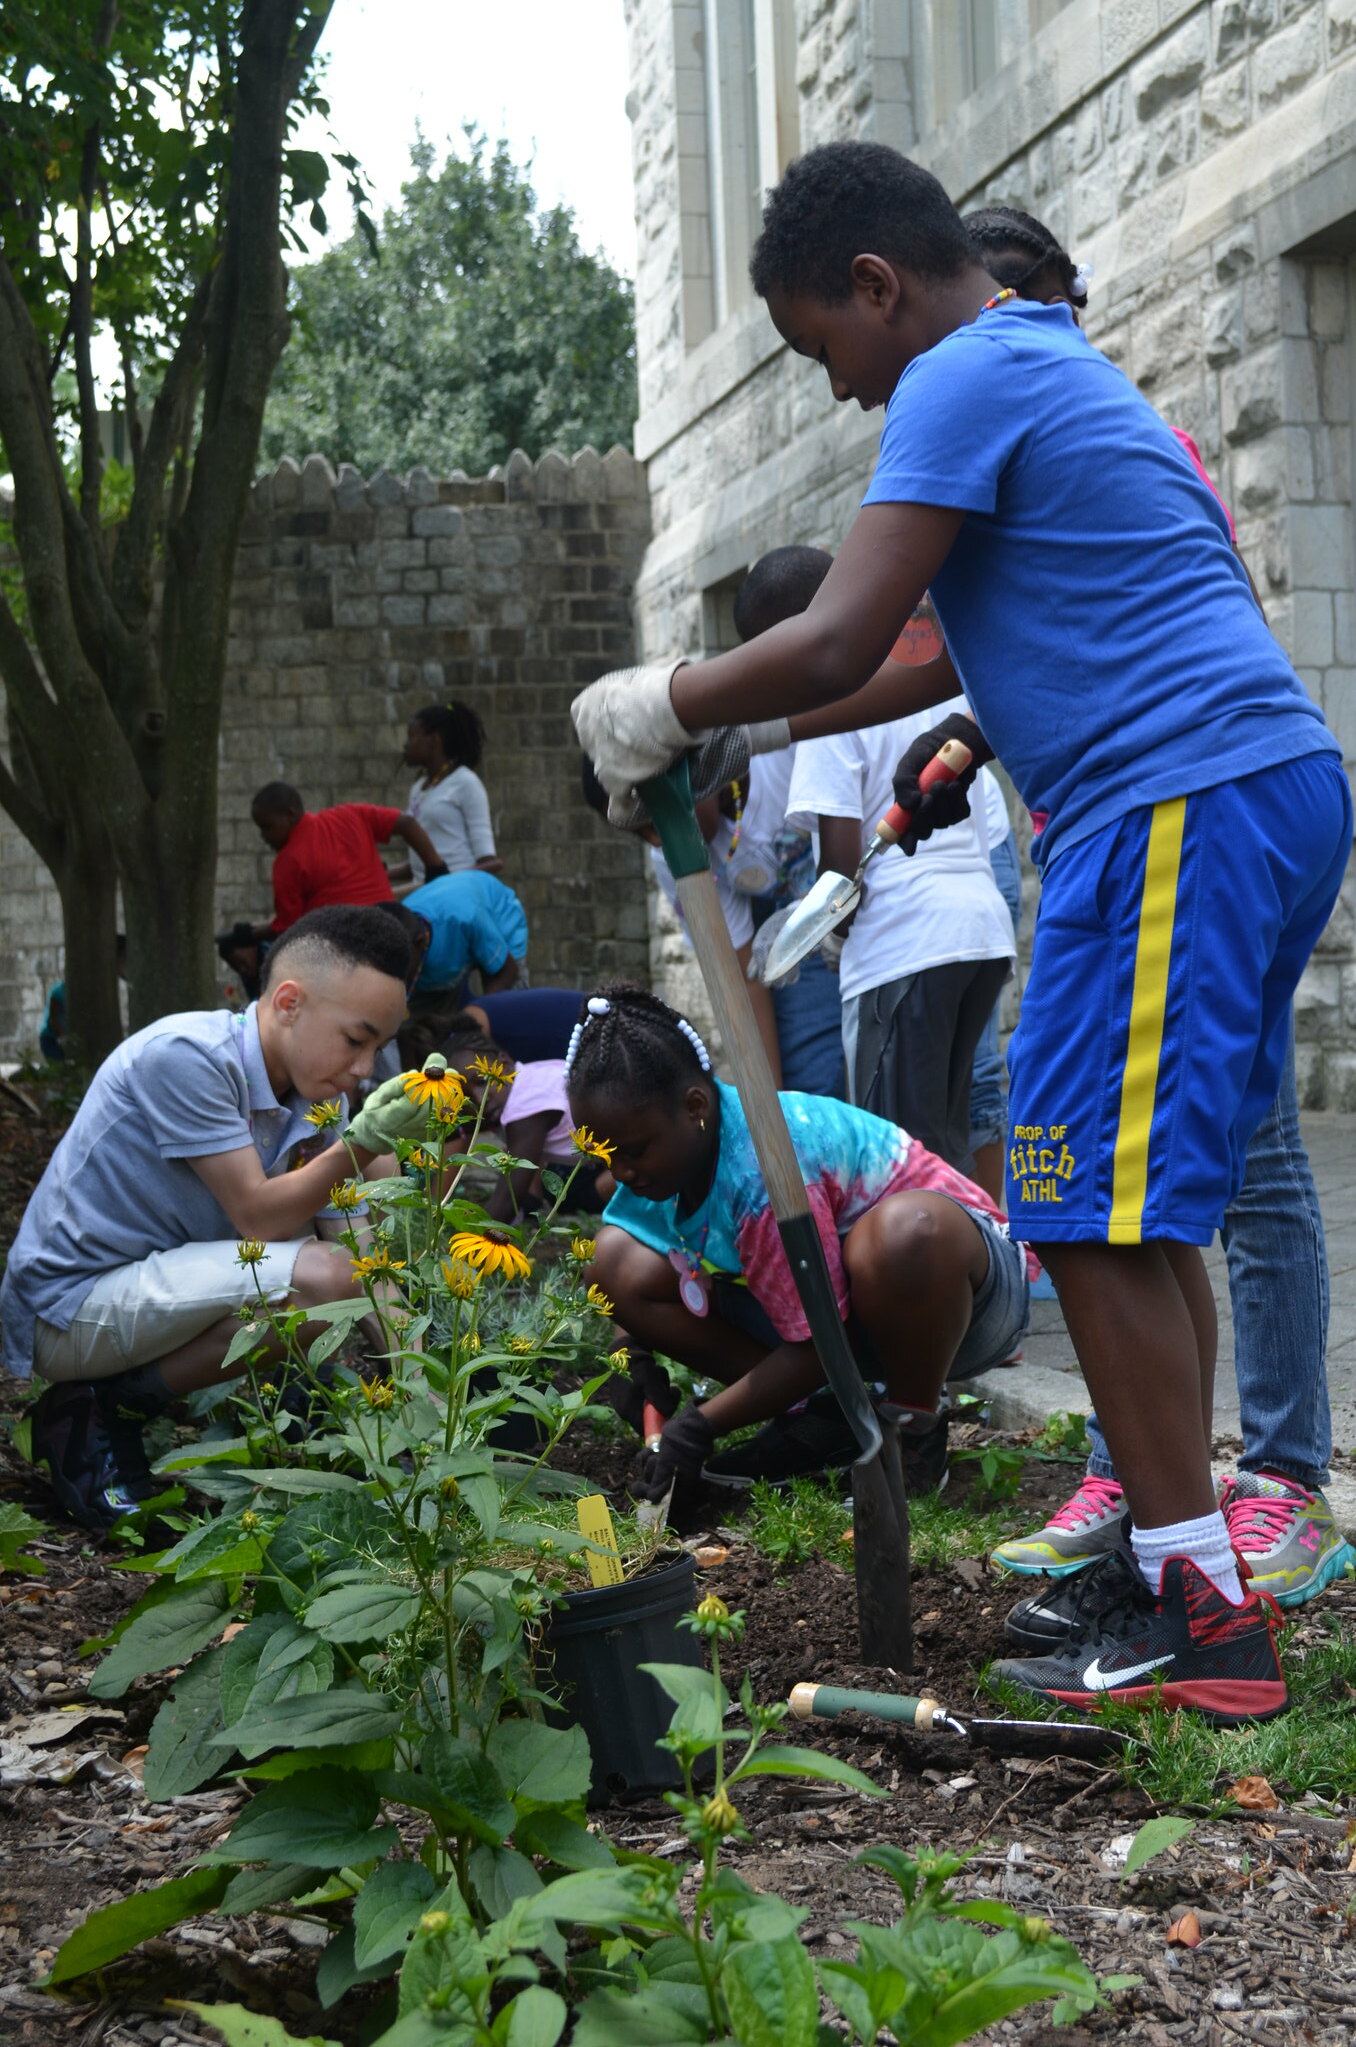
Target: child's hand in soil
684 1447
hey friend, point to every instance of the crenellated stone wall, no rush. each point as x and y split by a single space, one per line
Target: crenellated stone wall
355 602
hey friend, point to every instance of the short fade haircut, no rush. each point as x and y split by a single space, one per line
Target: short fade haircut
275 799
850 199
780 585
341 937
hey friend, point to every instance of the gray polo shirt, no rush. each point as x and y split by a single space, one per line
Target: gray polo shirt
119 1185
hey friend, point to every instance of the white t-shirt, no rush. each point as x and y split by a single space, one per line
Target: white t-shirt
456 815
997 821
940 906
736 906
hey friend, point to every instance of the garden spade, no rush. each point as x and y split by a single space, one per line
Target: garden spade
653 1513
1083 1738
835 896
880 1511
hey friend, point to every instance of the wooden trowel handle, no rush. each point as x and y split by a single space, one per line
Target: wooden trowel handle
947 765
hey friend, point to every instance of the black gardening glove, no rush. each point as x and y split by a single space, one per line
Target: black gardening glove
949 802
644 1381
684 1447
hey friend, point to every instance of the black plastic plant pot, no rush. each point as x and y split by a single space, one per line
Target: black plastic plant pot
597 1641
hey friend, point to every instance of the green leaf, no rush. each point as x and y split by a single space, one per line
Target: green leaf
770 1990
683 1681
273 1658
807 1762
536 2018
17 1528
644 2018
172 1631
556 1838
313 1721
540 1764
322 1818
321 1533
1153 1837
241 2028
601 1897
445 1963
387 1910
182 1751
219 1549
470 1787
250 1889
302 1479
116 1929
499 1876
366 1612
338 1970
368 1756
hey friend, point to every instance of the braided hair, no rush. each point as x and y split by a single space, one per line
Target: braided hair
459 728
1017 249
628 1042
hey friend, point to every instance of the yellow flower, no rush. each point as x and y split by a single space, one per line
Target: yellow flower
441 1091
250 1251
378 1393
713 1609
345 1194
491 1251
435 1922
620 1360
521 1346
267 1389
719 1814
471 1341
448 1487
599 1302
583 1249
462 1279
376 1262
591 1147
491 1070
324 1115
249 1521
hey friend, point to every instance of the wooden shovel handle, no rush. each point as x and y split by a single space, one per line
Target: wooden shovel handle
947 765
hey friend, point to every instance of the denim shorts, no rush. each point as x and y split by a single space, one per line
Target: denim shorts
1002 1310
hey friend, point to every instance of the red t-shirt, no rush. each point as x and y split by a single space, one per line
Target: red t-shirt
332 857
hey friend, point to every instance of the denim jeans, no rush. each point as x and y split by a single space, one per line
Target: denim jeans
988 1082
1278 1288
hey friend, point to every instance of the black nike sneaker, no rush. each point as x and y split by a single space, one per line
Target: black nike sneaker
89 1435
1067 1609
1186 1647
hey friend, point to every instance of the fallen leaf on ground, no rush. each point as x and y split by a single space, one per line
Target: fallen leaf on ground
1254 1794
970 1571
710 1556
1185 1932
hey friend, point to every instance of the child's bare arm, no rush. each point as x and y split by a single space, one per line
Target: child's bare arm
784 1376
273 1210
897 690
832 650
417 839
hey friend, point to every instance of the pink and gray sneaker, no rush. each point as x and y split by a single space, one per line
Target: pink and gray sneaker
1077 1534
1288 1543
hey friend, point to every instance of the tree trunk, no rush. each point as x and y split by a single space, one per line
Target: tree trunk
87 881
170 922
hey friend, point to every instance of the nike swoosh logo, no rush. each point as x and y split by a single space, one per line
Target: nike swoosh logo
1098 1680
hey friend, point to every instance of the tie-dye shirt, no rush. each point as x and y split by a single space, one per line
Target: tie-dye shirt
851 1160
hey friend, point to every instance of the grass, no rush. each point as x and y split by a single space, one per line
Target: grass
808 1518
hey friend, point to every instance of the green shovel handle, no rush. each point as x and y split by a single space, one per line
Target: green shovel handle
668 798
826 1702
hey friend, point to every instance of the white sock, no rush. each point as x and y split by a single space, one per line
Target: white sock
1205 1541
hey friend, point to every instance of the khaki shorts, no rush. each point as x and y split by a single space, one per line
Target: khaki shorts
138 1313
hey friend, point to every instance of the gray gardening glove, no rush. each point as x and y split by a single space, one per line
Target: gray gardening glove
388 1114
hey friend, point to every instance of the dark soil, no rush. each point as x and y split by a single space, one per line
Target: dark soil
1271 1890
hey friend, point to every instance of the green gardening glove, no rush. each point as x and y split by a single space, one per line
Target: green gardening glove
387 1114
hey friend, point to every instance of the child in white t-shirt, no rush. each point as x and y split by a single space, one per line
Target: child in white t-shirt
928 949
445 743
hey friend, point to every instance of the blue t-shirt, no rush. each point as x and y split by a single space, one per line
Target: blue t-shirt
477 921
1095 610
119 1185
851 1160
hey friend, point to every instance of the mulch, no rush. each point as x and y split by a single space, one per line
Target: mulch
1271 1891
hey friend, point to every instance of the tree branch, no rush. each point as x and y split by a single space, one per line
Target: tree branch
82 310
134 549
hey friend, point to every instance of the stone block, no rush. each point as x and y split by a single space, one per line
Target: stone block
317 484
402 610
350 491
1234 252
419 581
1341 27
447 610
1222 328
1311 629
1251 396
519 478
1225 102
420 488
385 490
1127 25
403 554
1320 547
1287 60
437 521
1174 67
391 522
1239 23
286 491
1327 300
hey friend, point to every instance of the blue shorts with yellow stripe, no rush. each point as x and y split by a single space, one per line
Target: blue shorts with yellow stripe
1155 1019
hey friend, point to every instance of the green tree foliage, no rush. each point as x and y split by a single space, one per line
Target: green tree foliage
471 324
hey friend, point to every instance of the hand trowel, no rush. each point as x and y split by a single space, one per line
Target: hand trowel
835 896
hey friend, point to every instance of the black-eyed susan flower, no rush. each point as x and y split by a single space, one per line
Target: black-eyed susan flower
590 1147
491 1071
713 1608
620 1360
376 1262
719 1813
324 1115
249 1521
583 1249
599 1302
346 1195
491 1251
378 1393
251 1251
521 1346
470 1343
462 1279
433 1090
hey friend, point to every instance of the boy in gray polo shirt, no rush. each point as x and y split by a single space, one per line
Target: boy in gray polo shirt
124 1280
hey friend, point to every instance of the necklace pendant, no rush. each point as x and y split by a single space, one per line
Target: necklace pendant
694 1288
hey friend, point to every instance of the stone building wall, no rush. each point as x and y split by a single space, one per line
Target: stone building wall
1201 153
356 602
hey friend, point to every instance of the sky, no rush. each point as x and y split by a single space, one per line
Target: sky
550 75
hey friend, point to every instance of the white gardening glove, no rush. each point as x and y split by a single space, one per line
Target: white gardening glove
764 938
628 727
770 736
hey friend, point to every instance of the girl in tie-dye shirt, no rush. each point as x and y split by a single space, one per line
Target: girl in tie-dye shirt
689 1250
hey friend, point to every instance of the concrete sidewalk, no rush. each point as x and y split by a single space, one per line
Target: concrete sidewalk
1049 1379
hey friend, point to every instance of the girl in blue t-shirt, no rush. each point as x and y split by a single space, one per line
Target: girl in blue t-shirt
690 1254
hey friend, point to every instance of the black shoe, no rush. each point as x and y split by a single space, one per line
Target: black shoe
90 1439
814 1442
1187 1647
1067 1609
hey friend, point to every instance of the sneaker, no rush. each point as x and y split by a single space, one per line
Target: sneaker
812 1443
1074 1605
1286 1538
1188 1647
91 1443
1085 1528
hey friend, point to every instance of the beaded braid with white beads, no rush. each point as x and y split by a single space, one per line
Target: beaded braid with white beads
628 1041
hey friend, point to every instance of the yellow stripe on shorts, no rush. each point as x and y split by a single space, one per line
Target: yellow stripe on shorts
1148 1004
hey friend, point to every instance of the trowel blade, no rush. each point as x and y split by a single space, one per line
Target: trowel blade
1085 1738
833 897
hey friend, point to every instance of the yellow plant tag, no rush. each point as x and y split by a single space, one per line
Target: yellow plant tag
595 1524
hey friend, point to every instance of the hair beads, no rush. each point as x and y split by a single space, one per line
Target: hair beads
629 1042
